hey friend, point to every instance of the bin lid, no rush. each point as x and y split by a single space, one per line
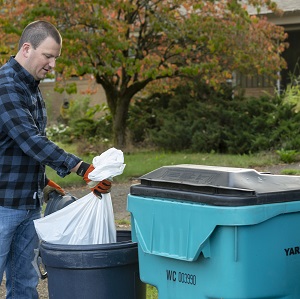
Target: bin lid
217 185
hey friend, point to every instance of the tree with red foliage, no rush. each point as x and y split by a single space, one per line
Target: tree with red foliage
129 44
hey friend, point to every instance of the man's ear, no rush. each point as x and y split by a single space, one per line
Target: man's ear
26 49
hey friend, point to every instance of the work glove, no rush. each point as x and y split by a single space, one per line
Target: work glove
50 187
97 187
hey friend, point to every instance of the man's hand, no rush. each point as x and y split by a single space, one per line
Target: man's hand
51 186
97 187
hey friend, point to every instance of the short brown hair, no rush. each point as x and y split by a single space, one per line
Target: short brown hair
36 32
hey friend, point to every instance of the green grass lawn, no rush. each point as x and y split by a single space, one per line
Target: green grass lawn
151 292
142 162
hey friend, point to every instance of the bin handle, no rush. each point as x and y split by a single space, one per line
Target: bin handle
38 264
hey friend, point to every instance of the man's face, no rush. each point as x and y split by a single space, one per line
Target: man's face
41 60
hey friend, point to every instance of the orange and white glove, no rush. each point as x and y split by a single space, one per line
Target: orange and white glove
52 186
98 188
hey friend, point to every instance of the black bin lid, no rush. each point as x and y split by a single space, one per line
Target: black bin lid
216 185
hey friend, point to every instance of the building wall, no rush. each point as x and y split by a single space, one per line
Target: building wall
290 20
55 100
257 92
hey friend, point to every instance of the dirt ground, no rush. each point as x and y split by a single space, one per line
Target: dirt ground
122 216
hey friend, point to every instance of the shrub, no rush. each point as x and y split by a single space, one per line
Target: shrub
288 156
196 118
91 126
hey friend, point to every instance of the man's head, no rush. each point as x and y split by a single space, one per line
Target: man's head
36 32
39 46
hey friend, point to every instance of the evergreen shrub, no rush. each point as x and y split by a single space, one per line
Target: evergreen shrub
197 118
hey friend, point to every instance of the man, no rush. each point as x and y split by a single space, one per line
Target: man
24 153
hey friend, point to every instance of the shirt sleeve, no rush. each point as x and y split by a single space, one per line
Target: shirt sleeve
21 121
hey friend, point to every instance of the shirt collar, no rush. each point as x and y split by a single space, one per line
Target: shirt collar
22 73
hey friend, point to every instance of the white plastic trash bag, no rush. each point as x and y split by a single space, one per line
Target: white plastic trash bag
88 220
108 165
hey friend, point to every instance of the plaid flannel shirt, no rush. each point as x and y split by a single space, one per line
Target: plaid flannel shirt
24 147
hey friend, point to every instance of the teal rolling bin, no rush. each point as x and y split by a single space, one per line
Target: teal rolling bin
206 232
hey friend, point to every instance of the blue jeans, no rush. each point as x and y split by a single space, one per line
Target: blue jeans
18 239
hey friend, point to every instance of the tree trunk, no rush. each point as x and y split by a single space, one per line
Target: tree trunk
118 103
119 124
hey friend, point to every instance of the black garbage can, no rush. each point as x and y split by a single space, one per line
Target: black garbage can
105 271
57 202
